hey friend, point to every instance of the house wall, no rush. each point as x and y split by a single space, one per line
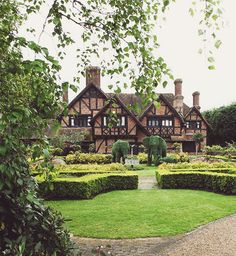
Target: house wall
165 112
194 116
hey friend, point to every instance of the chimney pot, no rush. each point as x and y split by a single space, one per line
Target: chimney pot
196 100
178 86
178 99
93 76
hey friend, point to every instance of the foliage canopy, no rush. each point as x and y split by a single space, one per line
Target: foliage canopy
223 124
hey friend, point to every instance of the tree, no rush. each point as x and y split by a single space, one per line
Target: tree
198 138
30 94
128 30
223 124
31 89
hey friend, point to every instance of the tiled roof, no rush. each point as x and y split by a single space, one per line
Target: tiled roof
130 98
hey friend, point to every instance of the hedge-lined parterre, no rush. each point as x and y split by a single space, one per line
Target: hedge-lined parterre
87 187
216 180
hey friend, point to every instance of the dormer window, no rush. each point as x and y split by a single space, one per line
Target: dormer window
155 121
80 121
119 122
193 124
167 123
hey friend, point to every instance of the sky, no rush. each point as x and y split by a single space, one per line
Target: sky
179 45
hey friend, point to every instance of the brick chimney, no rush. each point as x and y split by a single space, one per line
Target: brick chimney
93 76
178 99
65 97
196 100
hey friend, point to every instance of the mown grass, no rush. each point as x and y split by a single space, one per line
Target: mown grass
143 213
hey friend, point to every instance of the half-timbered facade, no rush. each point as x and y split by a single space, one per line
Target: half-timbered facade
107 117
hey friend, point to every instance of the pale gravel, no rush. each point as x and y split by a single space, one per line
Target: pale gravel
214 239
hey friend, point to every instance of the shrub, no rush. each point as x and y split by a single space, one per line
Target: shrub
215 181
177 147
217 149
142 158
180 157
88 186
88 158
168 159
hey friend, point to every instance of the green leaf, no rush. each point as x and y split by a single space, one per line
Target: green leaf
164 84
3 150
218 44
211 67
211 59
46 153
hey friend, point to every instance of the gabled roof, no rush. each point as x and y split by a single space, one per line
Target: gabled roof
192 109
84 91
163 98
130 98
118 100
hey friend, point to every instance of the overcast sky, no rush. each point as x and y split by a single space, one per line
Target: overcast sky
179 46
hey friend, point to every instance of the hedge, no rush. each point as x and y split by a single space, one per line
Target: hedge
82 169
88 158
218 181
198 165
88 186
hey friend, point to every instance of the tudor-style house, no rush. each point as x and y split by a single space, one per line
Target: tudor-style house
92 109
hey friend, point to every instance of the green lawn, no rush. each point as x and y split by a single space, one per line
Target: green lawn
143 213
147 170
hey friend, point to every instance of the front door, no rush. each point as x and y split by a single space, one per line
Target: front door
189 146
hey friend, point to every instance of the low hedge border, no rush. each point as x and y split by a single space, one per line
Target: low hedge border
214 170
218 182
88 186
88 158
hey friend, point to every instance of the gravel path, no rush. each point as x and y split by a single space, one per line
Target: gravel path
214 239
147 182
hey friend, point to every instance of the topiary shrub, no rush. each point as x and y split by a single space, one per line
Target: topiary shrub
156 148
120 150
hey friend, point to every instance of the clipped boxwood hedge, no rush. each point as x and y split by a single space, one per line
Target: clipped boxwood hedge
82 169
88 158
88 186
216 180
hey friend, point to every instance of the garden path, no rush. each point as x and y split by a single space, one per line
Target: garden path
147 182
214 239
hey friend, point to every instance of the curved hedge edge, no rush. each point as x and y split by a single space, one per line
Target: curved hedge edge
88 186
209 181
214 170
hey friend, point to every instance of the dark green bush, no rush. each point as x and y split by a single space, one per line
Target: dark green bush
219 181
88 186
